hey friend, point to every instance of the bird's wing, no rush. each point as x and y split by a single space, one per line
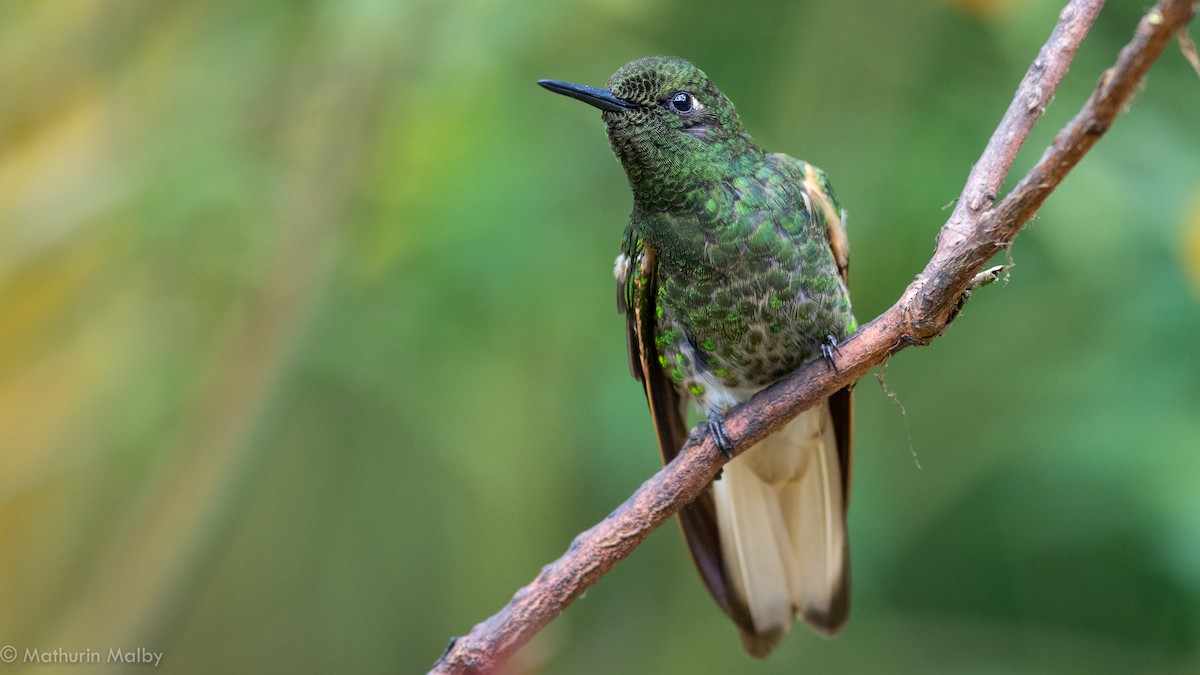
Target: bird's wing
841 404
825 207
637 290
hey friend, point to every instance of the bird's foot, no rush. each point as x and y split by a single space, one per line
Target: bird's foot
829 347
720 434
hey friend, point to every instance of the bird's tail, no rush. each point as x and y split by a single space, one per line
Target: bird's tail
782 520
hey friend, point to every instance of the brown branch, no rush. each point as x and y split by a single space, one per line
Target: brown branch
973 234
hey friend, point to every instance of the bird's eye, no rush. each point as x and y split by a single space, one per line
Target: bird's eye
683 102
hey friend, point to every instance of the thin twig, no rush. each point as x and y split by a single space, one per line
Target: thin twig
968 240
939 287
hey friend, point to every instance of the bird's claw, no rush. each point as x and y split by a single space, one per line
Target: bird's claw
720 435
829 347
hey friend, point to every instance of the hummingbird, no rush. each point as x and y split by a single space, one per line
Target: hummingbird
732 273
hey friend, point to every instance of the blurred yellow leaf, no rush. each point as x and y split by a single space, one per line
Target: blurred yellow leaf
1191 243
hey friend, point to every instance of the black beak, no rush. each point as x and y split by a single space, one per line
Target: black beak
601 98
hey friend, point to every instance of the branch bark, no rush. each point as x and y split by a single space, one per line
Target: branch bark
973 234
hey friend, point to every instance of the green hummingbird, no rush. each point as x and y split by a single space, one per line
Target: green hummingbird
732 273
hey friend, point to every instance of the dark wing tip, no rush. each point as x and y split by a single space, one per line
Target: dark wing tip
829 620
759 645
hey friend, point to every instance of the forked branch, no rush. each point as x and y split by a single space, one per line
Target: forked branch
974 233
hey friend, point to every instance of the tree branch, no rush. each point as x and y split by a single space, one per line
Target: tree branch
973 234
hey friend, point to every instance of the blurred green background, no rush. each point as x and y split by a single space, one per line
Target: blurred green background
309 356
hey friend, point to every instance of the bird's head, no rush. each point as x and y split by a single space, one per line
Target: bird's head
667 122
